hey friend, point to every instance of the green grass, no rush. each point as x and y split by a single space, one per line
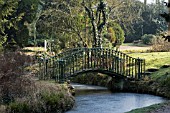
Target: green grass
162 72
149 108
154 59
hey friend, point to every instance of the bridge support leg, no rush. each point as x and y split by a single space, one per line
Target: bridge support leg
61 71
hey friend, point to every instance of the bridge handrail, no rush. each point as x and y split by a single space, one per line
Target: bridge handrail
85 57
83 50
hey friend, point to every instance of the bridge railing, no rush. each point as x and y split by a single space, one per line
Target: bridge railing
84 59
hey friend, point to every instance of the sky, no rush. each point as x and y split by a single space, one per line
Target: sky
151 1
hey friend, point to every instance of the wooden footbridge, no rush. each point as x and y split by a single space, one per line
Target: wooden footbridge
81 60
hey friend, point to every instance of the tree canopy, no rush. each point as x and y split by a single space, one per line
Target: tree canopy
77 23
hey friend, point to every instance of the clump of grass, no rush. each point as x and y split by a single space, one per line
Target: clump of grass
16 107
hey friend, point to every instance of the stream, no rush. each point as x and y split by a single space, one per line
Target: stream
95 99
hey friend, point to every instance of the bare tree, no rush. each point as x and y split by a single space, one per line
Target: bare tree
98 16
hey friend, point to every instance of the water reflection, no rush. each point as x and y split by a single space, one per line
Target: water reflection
107 102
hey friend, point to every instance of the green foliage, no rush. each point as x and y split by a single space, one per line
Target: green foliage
16 107
110 35
48 102
62 22
29 8
148 39
7 8
11 46
68 18
14 15
117 32
52 99
147 20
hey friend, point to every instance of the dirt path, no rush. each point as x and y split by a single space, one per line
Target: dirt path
134 48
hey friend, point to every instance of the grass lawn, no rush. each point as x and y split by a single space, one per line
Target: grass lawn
153 59
163 73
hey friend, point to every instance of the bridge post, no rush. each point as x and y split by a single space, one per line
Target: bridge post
61 71
40 61
88 58
53 67
139 68
45 68
144 63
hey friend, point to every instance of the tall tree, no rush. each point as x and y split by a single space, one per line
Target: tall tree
25 12
30 9
166 16
99 17
7 20
63 18
168 6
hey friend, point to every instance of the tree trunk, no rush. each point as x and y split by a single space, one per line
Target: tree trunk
169 22
98 18
145 2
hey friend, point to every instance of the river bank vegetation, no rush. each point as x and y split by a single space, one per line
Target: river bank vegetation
21 93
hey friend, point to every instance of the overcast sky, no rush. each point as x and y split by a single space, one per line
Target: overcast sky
151 1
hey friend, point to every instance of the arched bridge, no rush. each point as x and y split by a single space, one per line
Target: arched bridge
80 60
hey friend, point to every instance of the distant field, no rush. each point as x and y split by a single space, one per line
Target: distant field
134 47
153 59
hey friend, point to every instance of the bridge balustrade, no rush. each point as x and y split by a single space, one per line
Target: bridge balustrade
81 60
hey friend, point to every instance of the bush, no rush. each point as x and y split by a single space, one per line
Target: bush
160 45
19 107
116 33
12 84
48 98
21 94
148 39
